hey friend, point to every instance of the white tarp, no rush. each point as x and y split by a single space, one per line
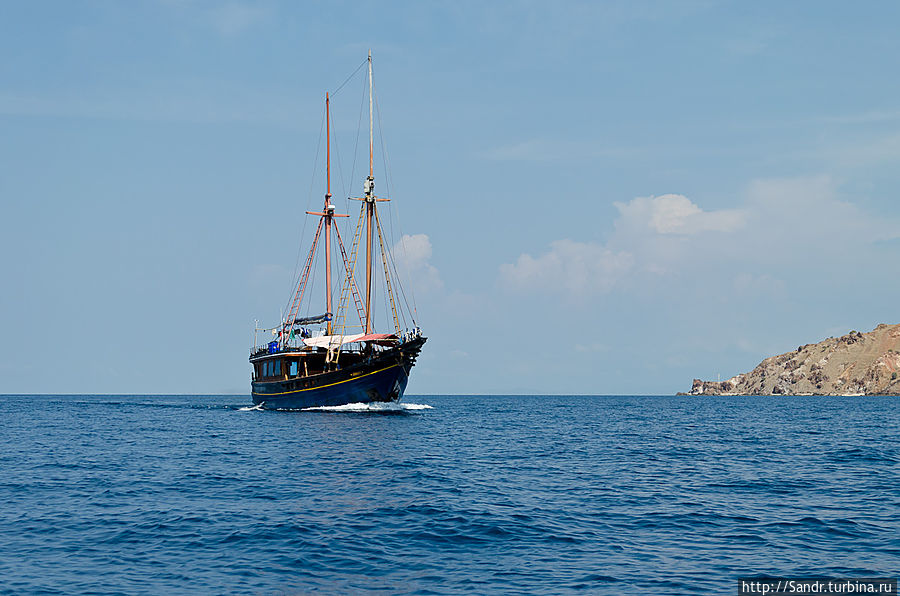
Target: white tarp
331 341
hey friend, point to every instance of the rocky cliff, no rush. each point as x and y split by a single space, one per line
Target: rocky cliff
855 364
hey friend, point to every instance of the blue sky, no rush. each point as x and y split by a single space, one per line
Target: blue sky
605 197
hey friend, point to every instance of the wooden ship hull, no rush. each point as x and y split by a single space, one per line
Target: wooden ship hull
363 379
305 367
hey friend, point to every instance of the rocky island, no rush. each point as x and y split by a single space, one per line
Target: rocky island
854 364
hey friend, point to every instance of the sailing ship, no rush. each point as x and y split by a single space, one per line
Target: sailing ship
326 359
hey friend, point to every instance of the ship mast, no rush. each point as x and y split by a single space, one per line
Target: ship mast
329 212
370 208
327 216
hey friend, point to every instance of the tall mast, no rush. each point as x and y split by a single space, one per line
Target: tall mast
370 207
327 216
328 211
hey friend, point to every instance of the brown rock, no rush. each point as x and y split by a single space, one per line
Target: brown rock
825 368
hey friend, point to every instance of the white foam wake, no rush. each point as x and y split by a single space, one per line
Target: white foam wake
255 408
370 407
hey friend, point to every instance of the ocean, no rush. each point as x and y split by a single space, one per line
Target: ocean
446 495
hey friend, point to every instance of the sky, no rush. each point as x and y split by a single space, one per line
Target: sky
595 197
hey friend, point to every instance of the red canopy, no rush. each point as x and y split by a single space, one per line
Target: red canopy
378 337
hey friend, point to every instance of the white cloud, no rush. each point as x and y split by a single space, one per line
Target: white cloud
807 216
676 214
650 233
412 255
578 268
784 230
790 225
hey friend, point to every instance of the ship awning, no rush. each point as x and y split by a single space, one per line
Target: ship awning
333 341
379 338
313 320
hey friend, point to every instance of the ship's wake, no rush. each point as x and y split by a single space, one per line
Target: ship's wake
255 408
377 407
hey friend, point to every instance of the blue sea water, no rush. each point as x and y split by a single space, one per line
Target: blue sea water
451 494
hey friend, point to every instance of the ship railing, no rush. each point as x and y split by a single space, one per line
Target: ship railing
265 349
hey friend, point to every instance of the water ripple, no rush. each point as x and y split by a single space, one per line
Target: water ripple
446 495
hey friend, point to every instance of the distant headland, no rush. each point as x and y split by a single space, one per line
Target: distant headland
854 364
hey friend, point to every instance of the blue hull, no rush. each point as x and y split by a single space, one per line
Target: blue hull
380 385
382 379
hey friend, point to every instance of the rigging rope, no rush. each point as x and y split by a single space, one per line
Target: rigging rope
337 152
301 288
295 278
387 275
389 179
362 104
347 80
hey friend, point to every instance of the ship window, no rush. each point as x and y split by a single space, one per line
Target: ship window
278 367
293 368
267 369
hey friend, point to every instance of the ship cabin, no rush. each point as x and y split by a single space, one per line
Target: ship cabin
273 363
290 364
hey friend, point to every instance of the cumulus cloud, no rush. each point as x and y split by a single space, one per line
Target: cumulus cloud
676 214
578 268
412 255
813 207
808 223
648 238
783 228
